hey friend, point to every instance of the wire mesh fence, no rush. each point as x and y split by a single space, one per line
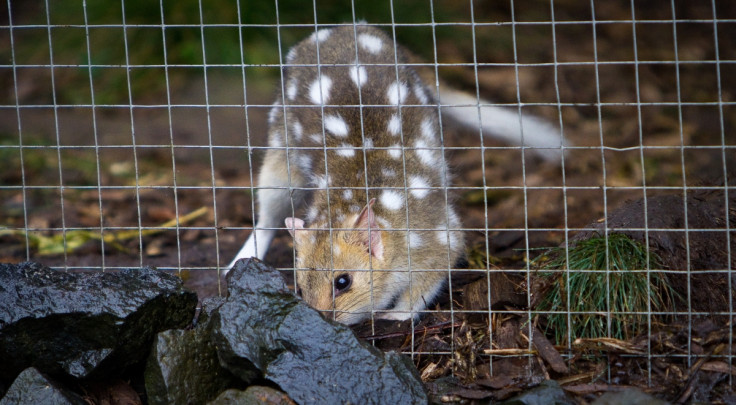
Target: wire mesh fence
133 134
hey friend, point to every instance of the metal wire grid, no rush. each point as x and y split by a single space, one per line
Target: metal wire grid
16 105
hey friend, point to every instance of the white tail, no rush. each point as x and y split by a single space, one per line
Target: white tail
543 139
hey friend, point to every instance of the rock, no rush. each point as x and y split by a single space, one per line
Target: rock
548 392
183 366
312 359
254 395
33 387
90 325
631 396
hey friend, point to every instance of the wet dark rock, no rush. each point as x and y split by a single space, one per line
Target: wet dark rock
85 324
312 359
33 387
183 366
254 395
548 392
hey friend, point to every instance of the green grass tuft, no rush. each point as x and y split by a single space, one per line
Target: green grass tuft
601 303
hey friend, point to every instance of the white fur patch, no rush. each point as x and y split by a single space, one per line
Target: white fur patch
336 125
394 151
347 195
392 199
383 222
415 240
345 150
420 93
359 75
291 55
316 138
319 91
370 43
396 93
275 140
291 89
304 162
394 125
273 112
428 130
312 213
368 143
322 181
424 154
321 35
442 236
387 172
419 186
297 130
355 208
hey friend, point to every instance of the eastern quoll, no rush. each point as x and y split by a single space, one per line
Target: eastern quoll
358 129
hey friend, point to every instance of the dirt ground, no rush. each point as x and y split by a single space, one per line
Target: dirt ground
672 109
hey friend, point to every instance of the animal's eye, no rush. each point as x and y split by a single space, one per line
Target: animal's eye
342 282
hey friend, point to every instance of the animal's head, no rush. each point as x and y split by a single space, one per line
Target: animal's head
337 270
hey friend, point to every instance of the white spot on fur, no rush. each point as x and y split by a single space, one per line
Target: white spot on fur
395 151
304 162
347 195
424 154
322 181
394 125
297 130
442 236
273 112
370 43
396 93
319 91
368 143
291 55
387 172
415 240
428 129
419 91
291 89
346 150
312 213
359 75
336 125
321 35
419 186
392 199
276 140
340 217
355 208
383 222
316 138
336 251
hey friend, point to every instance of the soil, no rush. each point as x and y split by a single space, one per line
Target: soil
531 205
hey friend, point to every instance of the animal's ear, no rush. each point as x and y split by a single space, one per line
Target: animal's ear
369 234
293 225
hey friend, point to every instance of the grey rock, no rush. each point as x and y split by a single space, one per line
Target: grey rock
33 387
88 325
312 359
548 392
183 367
